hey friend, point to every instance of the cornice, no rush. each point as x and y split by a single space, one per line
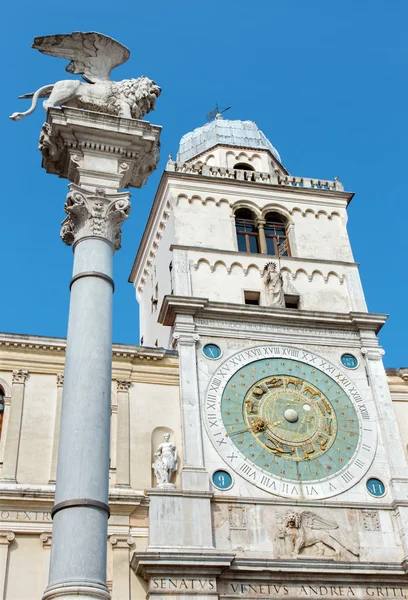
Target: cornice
47 355
263 187
287 259
202 307
51 344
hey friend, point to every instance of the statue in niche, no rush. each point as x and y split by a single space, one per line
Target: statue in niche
273 281
306 533
165 463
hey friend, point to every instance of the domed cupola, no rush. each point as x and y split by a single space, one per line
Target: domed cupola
242 134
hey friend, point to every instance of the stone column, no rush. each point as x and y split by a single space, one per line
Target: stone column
54 455
123 434
46 539
121 566
12 445
260 223
101 154
6 537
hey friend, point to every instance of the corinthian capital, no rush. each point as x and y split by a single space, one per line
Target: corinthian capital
94 214
123 385
20 376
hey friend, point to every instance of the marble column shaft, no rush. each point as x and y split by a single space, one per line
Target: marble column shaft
102 154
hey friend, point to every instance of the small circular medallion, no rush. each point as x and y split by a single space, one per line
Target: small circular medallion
349 361
222 480
212 351
375 487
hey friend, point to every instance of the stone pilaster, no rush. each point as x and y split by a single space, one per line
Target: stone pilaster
114 440
54 454
12 444
123 434
194 475
121 546
6 537
46 540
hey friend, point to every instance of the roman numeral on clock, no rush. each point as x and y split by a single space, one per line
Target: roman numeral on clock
347 476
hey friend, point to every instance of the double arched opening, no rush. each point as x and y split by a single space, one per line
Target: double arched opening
266 235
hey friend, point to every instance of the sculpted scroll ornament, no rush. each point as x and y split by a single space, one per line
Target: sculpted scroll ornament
307 533
93 55
165 463
94 214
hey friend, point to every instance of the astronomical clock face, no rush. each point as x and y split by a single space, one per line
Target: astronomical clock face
290 422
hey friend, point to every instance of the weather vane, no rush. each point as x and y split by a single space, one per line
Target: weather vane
216 111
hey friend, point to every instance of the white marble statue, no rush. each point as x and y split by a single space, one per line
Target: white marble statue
93 55
165 462
273 281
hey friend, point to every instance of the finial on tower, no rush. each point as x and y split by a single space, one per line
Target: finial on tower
217 113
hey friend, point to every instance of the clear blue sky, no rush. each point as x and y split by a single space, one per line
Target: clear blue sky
325 80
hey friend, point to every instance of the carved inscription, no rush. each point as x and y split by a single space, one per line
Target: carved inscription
182 585
22 515
278 590
231 325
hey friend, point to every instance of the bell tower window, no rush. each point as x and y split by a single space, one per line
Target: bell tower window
247 231
277 242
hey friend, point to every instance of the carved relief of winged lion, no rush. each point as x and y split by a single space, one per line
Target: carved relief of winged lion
92 55
307 529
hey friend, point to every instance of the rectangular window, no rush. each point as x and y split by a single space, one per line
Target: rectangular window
291 301
252 297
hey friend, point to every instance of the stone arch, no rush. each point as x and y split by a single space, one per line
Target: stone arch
210 160
333 274
246 204
321 212
202 261
219 262
278 208
302 272
315 273
181 197
5 387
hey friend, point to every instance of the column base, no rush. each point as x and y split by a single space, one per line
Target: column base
80 590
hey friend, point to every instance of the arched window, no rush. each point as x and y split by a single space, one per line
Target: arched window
2 394
247 232
244 167
277 242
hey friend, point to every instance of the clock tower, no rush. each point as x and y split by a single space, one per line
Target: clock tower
293 477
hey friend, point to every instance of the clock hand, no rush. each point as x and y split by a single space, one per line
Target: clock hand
256 427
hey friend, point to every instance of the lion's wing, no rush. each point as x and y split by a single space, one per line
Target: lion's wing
93 55
313 521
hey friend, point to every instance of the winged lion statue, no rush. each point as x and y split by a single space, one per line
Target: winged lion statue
92 55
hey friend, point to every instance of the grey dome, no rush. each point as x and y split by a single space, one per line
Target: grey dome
244 134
